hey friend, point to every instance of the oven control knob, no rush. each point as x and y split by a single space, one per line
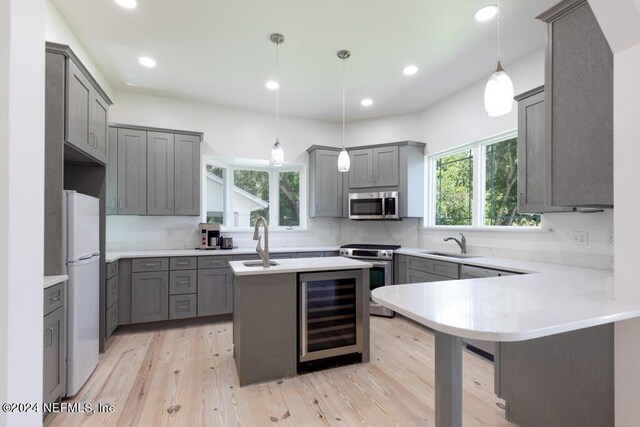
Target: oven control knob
384 254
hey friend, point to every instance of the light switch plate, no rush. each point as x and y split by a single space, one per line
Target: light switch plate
580 238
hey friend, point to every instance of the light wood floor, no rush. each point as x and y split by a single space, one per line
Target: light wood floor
186 376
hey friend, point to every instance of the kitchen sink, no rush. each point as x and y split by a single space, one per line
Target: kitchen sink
258 263
449 254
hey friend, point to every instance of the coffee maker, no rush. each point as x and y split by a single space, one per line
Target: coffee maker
209 236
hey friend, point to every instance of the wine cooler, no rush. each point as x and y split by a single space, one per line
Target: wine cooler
330 313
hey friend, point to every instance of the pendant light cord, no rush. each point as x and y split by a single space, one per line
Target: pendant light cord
499 10
278 91
343 103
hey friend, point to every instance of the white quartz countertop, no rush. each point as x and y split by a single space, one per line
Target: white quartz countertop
114 256
53 280
299 265
551 299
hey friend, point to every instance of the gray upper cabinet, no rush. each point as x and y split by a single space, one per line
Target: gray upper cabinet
87 114
325 183
112 173
132 172
361 170
215 291
385 166
160 173
187 174
533 177
579 97
149 296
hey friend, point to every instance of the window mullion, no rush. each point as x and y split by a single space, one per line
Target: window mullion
478 187
274 196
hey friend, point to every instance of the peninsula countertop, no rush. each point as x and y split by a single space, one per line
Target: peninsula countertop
547 300
299 265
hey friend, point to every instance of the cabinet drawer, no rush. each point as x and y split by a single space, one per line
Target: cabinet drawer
53 298
182 282
183 263
213 262
182 306
112 269
310 255
442 268
417 276
112 319
112 291
149 264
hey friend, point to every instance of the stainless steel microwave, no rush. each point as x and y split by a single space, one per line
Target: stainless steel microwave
373 205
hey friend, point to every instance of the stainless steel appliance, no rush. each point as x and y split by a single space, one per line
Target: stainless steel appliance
373 205
381 256
330 314
209 235
226 242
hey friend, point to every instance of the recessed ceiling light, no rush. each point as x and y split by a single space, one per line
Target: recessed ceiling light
272 85
147 62
127 4
367 102
486 13
409 70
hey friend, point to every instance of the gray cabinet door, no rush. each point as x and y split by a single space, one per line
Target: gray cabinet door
385 166
400 270
149 296
579 90
132 172
215 292
361 171
54 355
160 173
112 173
79 106
99 123
416 276
187 175
326 184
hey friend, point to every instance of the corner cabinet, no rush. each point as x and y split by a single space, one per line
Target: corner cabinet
533 174
156 172
579 98
325 183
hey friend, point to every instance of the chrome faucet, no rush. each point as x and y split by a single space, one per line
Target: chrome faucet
264 253
462 242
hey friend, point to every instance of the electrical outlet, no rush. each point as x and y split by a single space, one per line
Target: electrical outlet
610 238
580 238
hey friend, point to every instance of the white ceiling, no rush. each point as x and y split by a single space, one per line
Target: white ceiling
218 51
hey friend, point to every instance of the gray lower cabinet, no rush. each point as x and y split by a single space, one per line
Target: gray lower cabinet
187 174
149 296
54 344
417 276
183 282
132 172
579 98
400 269
182 306
325 183
160 173
112 320
215 291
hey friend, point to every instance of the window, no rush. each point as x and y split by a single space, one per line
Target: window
239 192
477 185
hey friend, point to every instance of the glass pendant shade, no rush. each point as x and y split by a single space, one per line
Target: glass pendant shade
498 94
344 162
277 155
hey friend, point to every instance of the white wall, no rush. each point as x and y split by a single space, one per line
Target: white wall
21 206
229 133
57 30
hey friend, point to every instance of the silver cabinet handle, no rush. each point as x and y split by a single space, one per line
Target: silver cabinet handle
150 264
119 203
50 332
57 299
183 262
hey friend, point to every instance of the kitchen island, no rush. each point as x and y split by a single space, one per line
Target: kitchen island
554 326
298 315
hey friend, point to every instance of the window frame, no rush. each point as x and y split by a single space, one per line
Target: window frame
231 165
478 153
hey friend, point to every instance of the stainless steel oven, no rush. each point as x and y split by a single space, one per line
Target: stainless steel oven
381 274
373 205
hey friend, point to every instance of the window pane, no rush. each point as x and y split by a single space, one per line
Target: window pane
501 191
454 189
215 194
250 197
289 195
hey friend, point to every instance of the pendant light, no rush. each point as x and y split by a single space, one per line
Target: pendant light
498 94
277 153
344 162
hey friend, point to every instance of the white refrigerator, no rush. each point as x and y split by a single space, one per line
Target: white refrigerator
83 267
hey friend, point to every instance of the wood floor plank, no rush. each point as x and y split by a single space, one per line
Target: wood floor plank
186 376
